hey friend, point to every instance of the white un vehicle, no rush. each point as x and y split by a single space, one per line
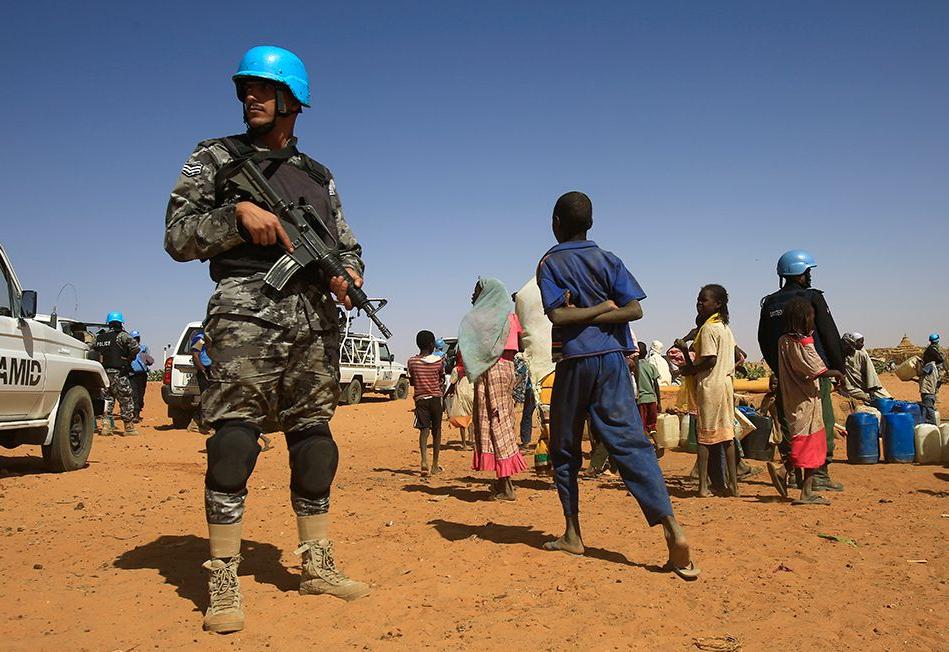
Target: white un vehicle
49 390
367 365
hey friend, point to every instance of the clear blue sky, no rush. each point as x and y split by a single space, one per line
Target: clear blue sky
711 137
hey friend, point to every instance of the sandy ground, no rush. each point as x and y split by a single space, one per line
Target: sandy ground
108 558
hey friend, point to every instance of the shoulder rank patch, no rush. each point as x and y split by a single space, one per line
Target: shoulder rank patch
192 169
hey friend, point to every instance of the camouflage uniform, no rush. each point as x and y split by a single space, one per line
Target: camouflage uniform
120 389
275 353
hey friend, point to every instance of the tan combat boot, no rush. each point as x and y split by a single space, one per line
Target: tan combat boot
105 428
226 608
130 429
320 575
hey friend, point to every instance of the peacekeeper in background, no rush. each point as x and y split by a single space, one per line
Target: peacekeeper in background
138 378
275 353
794 269
116 349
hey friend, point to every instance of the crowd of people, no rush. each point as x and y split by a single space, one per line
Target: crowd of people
607 384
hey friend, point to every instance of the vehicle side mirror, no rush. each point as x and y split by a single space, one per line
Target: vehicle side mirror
28 304
391 357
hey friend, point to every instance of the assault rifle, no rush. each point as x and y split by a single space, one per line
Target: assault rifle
301 222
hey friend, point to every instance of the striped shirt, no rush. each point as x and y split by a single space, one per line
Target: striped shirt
427 375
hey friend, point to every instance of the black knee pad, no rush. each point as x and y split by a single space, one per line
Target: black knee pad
313 461
232 454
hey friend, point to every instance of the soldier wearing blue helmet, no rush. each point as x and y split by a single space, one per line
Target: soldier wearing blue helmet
931 370
116 350
794 271
275 353
138 377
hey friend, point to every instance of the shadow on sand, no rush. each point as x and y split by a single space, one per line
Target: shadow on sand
178 559
527 536
463 494
11 467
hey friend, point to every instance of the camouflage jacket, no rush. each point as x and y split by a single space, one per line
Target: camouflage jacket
198 227
128 346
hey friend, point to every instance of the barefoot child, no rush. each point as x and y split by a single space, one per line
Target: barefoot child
648 398
461 402
590 297
710 384
799 368
426 373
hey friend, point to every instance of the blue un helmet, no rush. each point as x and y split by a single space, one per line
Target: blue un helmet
933 337
115 316
135 334
795 263
278 65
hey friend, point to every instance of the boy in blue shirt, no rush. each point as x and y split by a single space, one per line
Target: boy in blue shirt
590 298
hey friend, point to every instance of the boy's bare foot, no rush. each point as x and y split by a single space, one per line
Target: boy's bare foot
425 472
563 545
704 494
436 469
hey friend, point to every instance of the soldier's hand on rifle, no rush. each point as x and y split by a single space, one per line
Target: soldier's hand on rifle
339 287
262 226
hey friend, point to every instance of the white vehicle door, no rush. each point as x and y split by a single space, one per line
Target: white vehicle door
22 362
183 381
385 379
369 359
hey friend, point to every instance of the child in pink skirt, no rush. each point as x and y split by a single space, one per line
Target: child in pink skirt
799 367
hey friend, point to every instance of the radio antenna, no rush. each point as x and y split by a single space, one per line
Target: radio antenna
75 294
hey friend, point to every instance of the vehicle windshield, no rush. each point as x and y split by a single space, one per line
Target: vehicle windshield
6 297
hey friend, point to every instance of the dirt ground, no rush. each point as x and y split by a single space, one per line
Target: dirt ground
108 558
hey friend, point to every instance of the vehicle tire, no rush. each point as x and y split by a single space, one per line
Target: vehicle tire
180 417
401 389
72 432
353 393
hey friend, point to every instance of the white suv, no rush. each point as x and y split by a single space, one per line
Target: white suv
49 390
179 388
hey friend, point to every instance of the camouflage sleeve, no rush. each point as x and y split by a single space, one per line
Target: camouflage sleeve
350 251
195 228
128 343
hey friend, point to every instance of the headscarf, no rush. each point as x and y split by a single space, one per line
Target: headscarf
483 331
662 366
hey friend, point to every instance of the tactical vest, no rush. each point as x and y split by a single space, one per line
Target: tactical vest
772 308
307 185
107 348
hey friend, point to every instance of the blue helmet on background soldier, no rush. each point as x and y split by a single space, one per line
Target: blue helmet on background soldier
795 262
114 316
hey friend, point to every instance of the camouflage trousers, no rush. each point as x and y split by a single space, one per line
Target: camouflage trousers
120 389
275 356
